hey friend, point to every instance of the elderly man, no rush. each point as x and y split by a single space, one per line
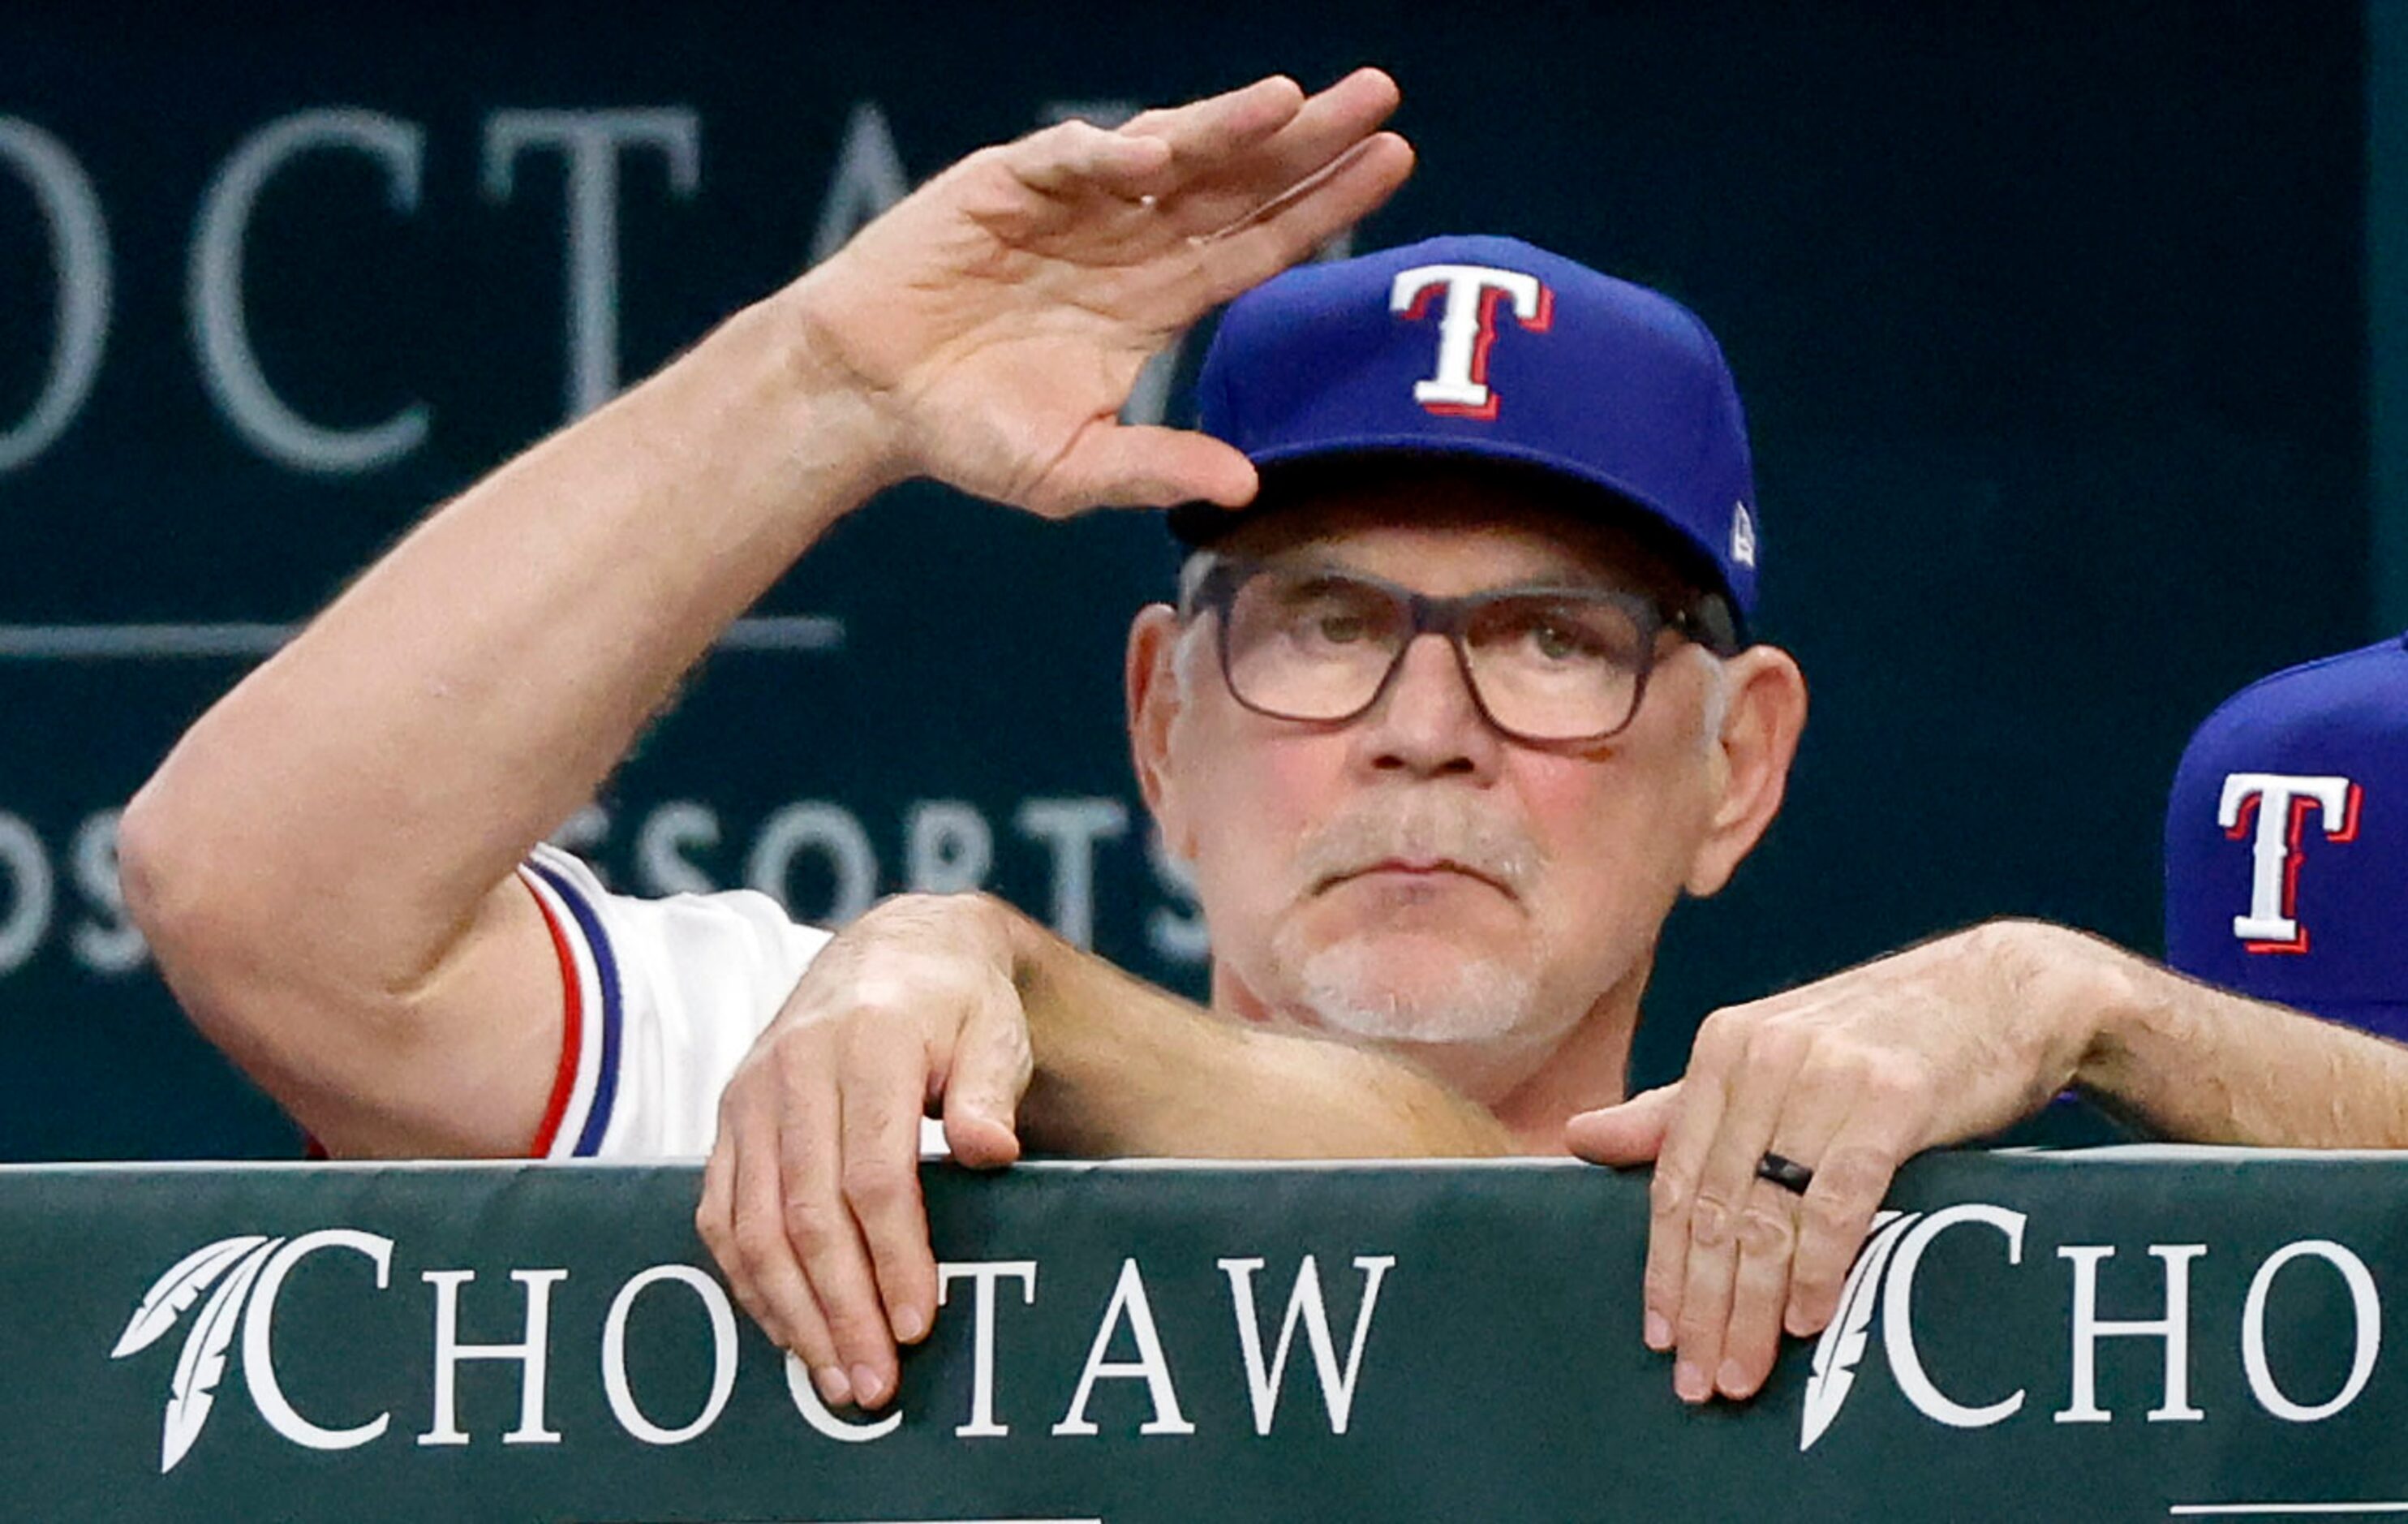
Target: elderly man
1446 722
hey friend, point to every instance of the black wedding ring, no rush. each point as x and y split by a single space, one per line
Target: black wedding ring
1788 1173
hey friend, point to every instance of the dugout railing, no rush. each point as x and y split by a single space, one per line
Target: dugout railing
2129 1334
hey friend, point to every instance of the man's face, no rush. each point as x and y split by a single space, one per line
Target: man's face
1414 875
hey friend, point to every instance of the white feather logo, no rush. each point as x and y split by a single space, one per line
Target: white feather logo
166 1300
192 1390
1843 1344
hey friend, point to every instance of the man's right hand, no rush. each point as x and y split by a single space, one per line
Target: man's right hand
960 1003
993 324
810 1200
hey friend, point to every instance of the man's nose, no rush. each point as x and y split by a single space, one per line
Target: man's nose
1428 723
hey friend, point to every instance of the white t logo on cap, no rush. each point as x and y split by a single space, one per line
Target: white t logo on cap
2284 804
1467 327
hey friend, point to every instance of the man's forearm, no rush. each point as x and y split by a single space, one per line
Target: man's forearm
2203 1065
1123 1068
389 766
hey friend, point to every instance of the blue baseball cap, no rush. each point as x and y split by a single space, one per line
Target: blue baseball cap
2286 841
1491 349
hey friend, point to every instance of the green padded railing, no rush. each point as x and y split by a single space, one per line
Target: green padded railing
2133 1334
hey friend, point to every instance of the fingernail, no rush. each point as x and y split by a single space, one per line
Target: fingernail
1659 1331
1689 1383
834 1390
909 1325
1733 1380
866 1389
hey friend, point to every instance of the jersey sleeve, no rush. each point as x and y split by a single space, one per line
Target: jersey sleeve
661 999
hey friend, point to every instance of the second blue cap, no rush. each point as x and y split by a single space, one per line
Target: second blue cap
2286 841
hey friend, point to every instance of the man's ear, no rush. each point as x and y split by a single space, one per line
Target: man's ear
1153 697
1761 722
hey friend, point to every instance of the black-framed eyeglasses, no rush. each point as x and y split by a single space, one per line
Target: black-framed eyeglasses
1543 664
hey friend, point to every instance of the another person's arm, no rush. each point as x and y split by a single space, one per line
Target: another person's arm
1953 1038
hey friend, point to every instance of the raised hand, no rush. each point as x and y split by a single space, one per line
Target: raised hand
994 320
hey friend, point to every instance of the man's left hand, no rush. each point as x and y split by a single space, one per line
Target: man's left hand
1849 1077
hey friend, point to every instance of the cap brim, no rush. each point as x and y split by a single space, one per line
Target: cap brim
1198 524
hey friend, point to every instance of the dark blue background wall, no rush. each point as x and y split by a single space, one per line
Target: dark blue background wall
2053 335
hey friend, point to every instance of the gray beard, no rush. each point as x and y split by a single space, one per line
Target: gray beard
1483 1004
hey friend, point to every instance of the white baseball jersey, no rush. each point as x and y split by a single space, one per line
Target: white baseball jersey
662 999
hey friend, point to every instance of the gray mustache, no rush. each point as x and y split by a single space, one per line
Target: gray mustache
1453 828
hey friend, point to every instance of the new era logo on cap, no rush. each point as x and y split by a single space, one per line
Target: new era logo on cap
1742 549
1491 347
2286 841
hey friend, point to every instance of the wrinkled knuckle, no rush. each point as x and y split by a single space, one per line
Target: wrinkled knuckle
732 1098
812 1225
1669 1193
1766 1233
1721 1035
1831 1216
874 1186
879 1000
711 1228
1711 1221
757 1249
997 156
754 1308
1062 143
